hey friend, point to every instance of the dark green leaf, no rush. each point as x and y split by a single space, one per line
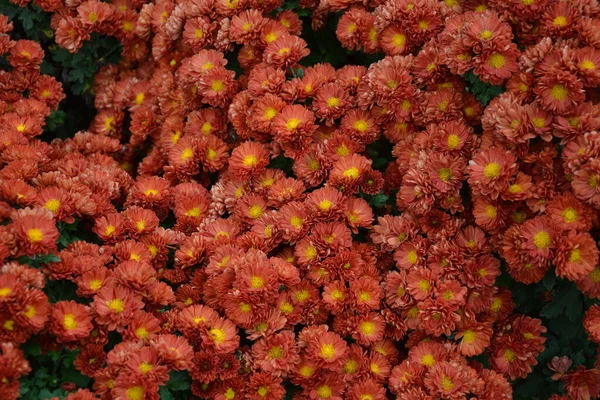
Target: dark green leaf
378 200
72 375
180 380
567 302
165 394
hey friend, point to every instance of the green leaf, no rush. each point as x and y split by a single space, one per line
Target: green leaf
72 375
56 119
165 394
567 301
283 163
484 91
46 394
180 380
378 200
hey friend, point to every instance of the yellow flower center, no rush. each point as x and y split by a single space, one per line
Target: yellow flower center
333 102
302 295
428 360
217 86
352 173
367 328
270 113
255 211
276 352
486 34
296 222
142 333
445 174
412 257
510 355
575 256
446 383
217 335
95 284
570 215
286 308
496 304
135 393
364 296
69 322
270 37
595 275
306 371
453 141
116 305
497 61
587 64
145 368
361 125
399 40
35 235
491 170
256 282
424 285
250 161
560 21
491 211
229 394
186 154
515 188
542 240
327 351
337 295
324 392
559 92
469 336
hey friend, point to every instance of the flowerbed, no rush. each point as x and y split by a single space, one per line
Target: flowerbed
257 199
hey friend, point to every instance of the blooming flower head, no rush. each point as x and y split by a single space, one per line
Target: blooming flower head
36 231
70 321
248 159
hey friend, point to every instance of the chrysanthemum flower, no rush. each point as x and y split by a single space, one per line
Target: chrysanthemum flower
220 336
70 321
276 354
490 170
285 51
25 54
347 173
576 256
451 380
581 383
264 385
134 386
559 91
591 323
327 348
115 307
248 159
35 231
539 237
474 338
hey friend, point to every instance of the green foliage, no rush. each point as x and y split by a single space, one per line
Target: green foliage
178 386
484 92
50 371
560 306
75 71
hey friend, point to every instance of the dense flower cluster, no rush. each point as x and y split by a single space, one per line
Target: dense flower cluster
203 257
